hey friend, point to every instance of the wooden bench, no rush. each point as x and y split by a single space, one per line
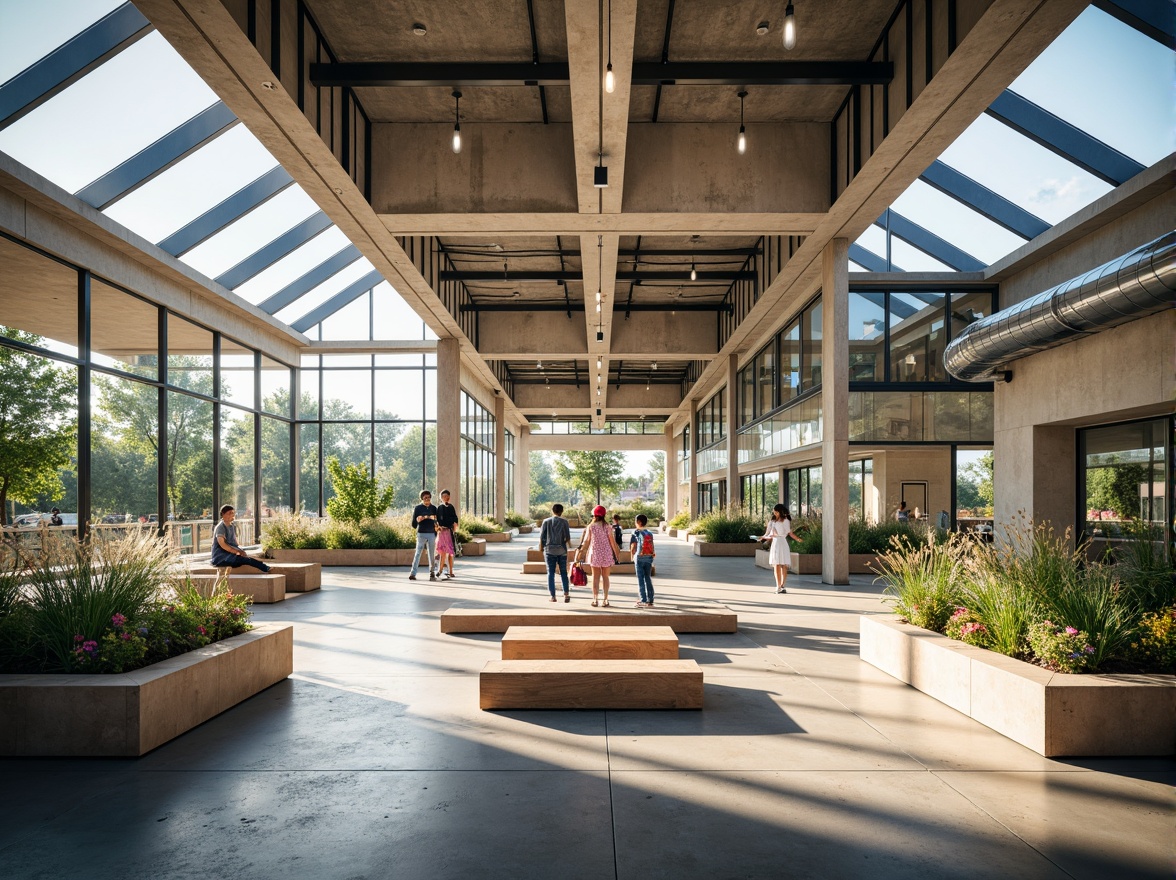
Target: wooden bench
590 684
301 577
263 589
589 643
470 617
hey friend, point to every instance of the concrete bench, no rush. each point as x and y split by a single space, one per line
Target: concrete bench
589 643
263 589
533 555
301 577
470 617
590 684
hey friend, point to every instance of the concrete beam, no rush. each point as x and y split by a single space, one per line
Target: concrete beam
631 223
597 442
510 335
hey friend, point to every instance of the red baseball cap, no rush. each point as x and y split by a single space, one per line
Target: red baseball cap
598 510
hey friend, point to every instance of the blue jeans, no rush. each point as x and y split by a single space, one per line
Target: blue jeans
560 560
424 539
644 566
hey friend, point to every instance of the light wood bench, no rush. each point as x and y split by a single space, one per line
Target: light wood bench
301 577
589 643
263 589
470 617
590 684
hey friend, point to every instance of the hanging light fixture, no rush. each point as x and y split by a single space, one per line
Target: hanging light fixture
655 365
456 121
610 81
741 144
789 27
693 243
539 365
599 361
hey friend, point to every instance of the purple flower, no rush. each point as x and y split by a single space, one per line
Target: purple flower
90 646
78 638
1070 631
142 630
1089 649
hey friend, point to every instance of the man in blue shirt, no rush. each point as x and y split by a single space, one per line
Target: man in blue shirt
226 552
424 520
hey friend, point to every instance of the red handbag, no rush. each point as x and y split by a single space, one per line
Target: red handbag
578 576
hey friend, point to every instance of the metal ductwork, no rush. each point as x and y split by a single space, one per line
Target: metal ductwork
1140 283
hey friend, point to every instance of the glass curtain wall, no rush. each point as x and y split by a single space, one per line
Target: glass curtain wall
477 457
509 468
1126 476
761 492
711 434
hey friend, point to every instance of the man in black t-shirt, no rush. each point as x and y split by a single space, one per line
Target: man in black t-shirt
424 520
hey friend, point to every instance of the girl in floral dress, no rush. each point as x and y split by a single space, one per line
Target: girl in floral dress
599 549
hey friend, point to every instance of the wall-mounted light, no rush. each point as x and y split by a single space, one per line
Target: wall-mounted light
456 121
741 143
789 27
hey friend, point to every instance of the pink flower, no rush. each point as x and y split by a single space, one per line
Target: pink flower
90 645
126 637
1070 631
202 630
118 620
78 638
1048 623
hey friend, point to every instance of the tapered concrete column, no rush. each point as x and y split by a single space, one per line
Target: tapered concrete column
835 412
692 498
522 470
734 488
499 458
449 418
671 475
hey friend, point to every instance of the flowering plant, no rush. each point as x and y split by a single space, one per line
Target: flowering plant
1154 645
965 627
1060 648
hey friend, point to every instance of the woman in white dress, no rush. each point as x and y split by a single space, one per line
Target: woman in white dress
779 530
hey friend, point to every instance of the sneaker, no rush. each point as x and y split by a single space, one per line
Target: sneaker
781 590
412 577
567 597
432 576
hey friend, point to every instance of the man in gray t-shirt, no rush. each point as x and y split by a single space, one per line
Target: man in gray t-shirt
554 538
226 552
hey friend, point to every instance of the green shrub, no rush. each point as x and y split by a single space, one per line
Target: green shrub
358 495
1145 567
300 533
459 534
1091 601
480 525
680 520
385 534
728 525
514 519
963 626
1061 648
923 583
291 532
1003 608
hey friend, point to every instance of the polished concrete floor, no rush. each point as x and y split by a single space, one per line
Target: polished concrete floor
374 761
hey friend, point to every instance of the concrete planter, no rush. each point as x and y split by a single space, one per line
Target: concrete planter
526 530
132 713
475 547
810 563
345 557
672 532
496 537
703 547
1052 713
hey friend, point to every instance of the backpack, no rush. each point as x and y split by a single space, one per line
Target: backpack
646 543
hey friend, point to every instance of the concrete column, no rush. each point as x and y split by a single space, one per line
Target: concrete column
734 489
692 498
522 469
499 457
449 418
671 480
835 412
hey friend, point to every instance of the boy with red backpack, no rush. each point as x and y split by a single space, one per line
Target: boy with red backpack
641 546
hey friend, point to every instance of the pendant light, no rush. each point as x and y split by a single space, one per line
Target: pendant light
741 144
456 122
610 81
789 27
693 270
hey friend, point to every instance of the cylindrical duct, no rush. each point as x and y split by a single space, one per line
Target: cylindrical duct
1135 285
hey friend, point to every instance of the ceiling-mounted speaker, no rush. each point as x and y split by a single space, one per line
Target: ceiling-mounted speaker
600 176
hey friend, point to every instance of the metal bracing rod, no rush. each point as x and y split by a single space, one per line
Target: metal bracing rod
555 275
526 306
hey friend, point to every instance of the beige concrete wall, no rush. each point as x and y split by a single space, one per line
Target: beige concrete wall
695 167
1137 227
894 466
512 167
691 334
512 334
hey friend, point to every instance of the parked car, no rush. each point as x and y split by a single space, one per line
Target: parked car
33 520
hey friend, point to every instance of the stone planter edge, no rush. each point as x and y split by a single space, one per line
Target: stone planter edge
703 547
129 714
1054 714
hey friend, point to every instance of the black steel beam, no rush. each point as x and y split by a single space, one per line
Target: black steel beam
984 201
153 160
310 280
687 252
762 73
1071 143
70 61
929 243
338 301
1153 18
218 217
682 275
470 74
396 74
524 306
868 260
262 259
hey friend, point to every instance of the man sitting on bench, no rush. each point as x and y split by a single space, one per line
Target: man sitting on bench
226 553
